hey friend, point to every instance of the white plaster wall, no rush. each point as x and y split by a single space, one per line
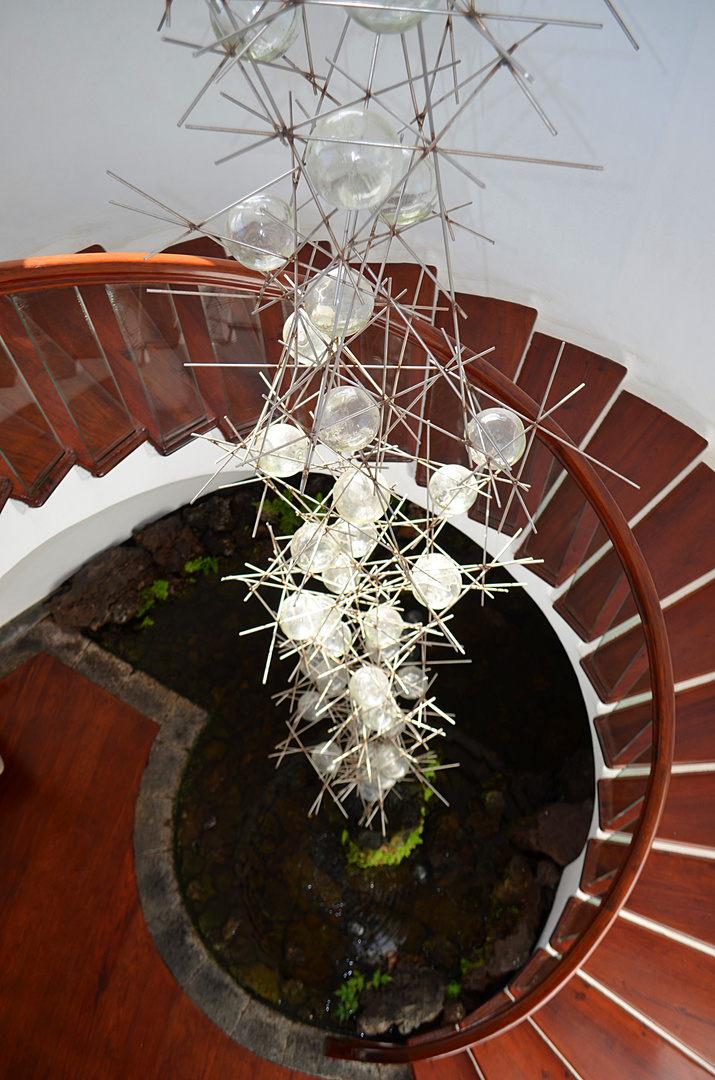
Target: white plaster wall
622 261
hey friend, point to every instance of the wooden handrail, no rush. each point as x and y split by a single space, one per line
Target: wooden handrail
57 271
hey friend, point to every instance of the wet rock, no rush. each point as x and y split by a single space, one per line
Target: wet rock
576 776
559 831
170 542
414 997
454 1011
548 874
519 889
212 515
106 589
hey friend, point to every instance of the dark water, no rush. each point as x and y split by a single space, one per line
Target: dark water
270 890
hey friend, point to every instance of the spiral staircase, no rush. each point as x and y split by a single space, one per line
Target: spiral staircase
93 365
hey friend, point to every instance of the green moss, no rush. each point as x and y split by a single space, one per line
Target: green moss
454 989
348 994
203 564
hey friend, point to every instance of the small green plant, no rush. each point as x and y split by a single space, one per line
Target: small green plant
158 590
202 564
454 989
349 996
389 854
281 508
349 993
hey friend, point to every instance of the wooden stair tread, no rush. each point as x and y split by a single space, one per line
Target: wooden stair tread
619 667
600 1039
519 1053
85 993
455 1067
639 441
501 323
688 815
601 597
665 980
677 891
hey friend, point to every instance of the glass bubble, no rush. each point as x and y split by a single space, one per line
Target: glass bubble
342 575
305 344
369 686
324 757
414 199
283 449
387 761
307 705
358 541
370 790
383 719
340 303
328 674
385 20
337 642
496 435
436 581
358 498
261 233
383 626
411 682
377 655
266 39
304 615
313 548
353 158
349 419
453 489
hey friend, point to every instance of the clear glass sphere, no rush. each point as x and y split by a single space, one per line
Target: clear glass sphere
356 540
337 641
452 490
387 761
383 626
260 231
283 449
414 199
307 705
305 615
313 548
342 575
383 719
305 345
436 581
349 419
385 20
411 682
371 789
265 37
358 498
353 158
324 758
376 654
496 435
340 303
326 672
369 686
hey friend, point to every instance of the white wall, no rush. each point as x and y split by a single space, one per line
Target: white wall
621 261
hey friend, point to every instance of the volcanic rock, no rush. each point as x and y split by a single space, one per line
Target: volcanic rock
414 997
559 831
106 589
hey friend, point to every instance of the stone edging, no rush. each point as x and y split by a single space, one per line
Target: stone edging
247 1021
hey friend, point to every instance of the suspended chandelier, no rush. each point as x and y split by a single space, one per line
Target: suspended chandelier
377 141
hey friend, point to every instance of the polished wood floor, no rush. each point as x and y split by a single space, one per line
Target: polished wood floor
83 992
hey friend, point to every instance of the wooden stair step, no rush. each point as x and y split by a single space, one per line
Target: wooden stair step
677 891
620 666
602 597
625 734
520 1053
603 860
688 815
575 920
671 983
641 442
576 416
491 322
600 1039
454 1067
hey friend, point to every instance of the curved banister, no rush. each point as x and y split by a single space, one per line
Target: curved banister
57 271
